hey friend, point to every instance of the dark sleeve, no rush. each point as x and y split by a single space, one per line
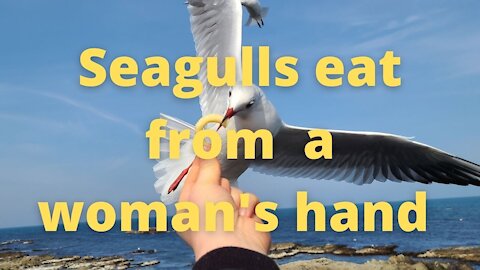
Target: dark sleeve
234 258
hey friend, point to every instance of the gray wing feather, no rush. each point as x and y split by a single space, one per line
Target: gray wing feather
363 157
217 31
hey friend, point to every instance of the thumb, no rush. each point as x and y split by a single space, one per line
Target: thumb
209 172
191 179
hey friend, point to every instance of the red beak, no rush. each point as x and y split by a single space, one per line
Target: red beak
229 114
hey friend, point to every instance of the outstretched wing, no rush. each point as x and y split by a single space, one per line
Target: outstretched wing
217 31
362 157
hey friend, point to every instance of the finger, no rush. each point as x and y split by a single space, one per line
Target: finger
193 171
209 172
191 179
252 201
235 192
225 184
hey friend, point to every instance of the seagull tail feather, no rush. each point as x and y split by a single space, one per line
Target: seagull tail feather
167 170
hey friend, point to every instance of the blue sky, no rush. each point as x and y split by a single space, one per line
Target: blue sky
62 142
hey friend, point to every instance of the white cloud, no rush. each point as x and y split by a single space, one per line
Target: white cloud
85 107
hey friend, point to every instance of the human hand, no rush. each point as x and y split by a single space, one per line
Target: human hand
204 184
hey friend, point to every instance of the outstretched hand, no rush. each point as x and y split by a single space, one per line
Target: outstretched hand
204 184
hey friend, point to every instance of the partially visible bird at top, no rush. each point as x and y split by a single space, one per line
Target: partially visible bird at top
254 8
256 12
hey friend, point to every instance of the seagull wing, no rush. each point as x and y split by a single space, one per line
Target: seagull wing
362 157
217 32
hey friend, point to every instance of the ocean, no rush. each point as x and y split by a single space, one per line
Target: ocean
450 222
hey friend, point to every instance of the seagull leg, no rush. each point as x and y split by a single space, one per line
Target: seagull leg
259 25
262 21
179 179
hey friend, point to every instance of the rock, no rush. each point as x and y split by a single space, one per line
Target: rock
399 262
343 250
62 260
151 230
122 267
376 250
283 250
282 246
149 263
400 259
144 251
20 260
11 255
469 254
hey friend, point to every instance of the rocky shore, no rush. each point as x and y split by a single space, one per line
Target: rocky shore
20 260
398 262
455 258
469 254
284 250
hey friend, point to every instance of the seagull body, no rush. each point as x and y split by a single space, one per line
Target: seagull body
358 157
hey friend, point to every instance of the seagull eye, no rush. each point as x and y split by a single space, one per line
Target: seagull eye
250 104
229 93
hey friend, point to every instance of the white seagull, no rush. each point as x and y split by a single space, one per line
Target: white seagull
358 157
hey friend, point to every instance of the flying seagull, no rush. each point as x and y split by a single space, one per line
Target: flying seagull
358 157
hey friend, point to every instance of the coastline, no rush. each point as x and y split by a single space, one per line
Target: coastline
462 258
451 225
441 258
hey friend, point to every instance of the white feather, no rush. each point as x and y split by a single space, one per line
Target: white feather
167 170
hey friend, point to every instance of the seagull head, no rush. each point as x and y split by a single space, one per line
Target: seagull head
244 103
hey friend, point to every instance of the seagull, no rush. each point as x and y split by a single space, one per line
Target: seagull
358 157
